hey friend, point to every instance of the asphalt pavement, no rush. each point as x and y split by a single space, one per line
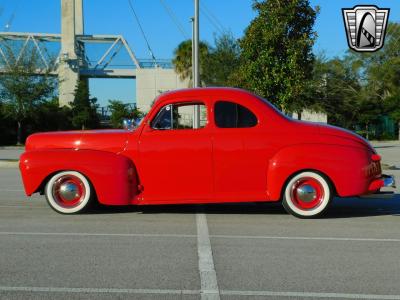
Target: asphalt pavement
230 251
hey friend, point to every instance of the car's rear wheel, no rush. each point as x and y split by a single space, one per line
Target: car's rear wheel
307 195
69 192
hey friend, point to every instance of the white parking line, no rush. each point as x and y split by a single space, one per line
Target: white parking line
309 295
23 206
345 239
96 290
85 234
208 276
201 226
195 292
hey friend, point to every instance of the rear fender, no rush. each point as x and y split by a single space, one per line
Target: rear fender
112 176
344 166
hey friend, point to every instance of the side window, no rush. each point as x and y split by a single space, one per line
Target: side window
232 115
163 120
179 116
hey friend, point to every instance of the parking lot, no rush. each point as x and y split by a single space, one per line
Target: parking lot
233 251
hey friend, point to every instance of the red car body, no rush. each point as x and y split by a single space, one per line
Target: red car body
204 165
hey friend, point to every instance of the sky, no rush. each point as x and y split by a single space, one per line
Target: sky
115 17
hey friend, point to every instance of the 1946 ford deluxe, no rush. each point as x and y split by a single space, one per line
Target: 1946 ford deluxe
206 145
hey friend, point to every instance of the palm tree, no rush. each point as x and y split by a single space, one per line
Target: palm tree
183 59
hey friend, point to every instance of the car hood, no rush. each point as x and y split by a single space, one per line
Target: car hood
105 140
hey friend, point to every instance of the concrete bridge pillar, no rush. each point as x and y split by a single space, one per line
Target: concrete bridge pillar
71 25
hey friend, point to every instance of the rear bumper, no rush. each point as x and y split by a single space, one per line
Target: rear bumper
377 184
389 181
383 181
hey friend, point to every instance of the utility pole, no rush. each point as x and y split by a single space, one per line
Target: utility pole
195 54
196 78
193 63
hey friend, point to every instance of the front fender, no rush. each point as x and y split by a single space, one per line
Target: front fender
112 175
344 165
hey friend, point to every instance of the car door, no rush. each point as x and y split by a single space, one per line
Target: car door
240 152
175 156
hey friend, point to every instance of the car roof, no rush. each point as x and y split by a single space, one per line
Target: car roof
202 91
214 91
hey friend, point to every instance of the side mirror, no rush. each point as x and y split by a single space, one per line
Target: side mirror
128 124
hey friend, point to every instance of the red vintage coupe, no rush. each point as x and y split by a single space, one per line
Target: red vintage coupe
207 145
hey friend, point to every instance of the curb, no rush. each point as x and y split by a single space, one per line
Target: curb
9 164
12 147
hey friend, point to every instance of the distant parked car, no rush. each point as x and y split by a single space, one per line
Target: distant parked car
207 145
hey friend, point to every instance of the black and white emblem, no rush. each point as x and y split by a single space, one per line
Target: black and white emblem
365 27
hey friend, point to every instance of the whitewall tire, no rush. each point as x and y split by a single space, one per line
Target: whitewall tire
68 192
307 195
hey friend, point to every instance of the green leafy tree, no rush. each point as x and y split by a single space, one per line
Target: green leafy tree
222 61
120 111
21 91
217 63
7 127
315 91
341 93
379 76
276 56
84 108
49 116
382 72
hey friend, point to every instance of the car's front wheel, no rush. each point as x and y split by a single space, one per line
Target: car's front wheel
307 195
69 192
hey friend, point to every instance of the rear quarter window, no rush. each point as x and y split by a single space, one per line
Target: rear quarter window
233 115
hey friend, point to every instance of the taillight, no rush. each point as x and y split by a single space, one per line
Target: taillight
376 157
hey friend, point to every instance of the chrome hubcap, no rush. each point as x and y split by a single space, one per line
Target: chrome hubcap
306 193
69 191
